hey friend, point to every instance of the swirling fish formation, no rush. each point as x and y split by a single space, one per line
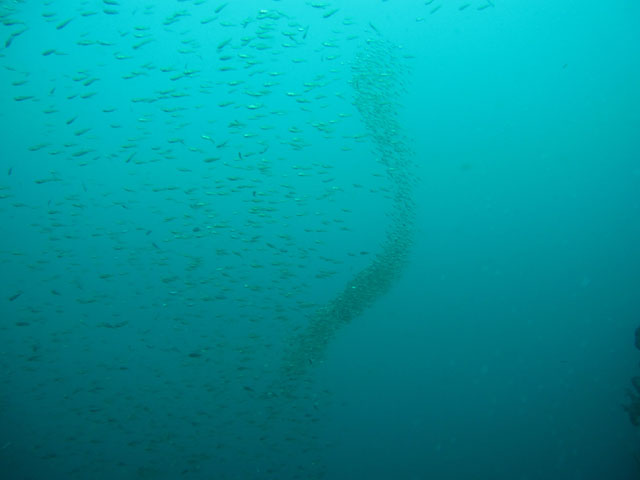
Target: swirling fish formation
377 81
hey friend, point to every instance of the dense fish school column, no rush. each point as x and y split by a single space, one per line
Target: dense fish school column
377 81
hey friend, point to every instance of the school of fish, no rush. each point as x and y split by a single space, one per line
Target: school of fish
203 194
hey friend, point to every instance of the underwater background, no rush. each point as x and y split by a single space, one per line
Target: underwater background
291 239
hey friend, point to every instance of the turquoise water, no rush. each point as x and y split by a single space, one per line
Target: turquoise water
286 239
